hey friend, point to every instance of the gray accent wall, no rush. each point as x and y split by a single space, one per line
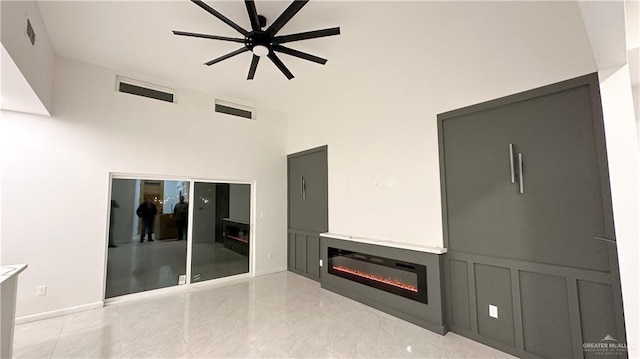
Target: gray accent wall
429 316
544 311
534 254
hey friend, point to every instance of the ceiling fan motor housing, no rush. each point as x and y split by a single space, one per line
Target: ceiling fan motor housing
258 37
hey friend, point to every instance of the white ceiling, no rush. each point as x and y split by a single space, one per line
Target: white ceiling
135 37
381 42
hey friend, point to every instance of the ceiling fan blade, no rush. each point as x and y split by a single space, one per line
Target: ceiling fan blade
222 18
300 54
254 66
224 57
253 14
284 18
280 65
205 36
307 35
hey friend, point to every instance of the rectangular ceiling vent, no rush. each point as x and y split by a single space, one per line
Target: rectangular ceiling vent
234 109
145 89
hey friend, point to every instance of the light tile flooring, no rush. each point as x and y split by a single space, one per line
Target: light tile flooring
135 267
279 315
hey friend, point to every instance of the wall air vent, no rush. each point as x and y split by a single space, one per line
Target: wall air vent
144 89
234 109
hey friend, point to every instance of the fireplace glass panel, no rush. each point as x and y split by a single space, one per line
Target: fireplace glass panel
394 276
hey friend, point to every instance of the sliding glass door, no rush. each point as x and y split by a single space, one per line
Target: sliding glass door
152 223
221 227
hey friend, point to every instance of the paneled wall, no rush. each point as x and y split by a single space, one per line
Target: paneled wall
543 310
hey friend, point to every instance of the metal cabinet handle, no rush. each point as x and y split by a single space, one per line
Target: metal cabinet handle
303 188
520 172
605 239
512 166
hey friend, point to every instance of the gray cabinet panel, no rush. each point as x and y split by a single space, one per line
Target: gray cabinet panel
545 315
296 216
313 256
291 257
561 209
308 193
596 314
307 208
315 192
301 252
493 287
562 203
460 294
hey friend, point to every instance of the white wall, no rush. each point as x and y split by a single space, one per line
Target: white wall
635 91
624 173
35 62
380 122
56 176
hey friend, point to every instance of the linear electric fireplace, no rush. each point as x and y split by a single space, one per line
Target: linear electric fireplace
402 278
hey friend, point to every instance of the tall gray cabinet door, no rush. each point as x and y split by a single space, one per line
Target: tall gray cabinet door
297 210
561 210
480 196
315 190
308 195
308 209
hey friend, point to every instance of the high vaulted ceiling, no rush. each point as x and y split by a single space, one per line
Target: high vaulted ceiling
135 37
399 46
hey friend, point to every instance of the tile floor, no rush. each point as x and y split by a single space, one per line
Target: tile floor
136 267
275 316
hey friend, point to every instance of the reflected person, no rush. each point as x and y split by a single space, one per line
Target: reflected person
147 212
181 214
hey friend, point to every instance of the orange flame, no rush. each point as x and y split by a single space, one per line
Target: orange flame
394 282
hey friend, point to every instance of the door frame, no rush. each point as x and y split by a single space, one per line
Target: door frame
188 284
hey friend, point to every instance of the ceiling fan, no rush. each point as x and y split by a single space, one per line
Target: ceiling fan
264 42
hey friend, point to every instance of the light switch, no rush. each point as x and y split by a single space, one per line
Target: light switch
493 311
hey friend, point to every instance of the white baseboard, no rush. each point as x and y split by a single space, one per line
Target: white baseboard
271 271
59 312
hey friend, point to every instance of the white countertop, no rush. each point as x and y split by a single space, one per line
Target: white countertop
380 242
7 272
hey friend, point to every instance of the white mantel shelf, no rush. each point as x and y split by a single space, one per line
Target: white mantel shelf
379 242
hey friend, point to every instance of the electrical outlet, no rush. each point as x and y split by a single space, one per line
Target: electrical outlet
269 255
493 311
262 215
42 290
183 279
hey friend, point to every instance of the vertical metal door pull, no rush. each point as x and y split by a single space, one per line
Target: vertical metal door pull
512 166
303 188
520 172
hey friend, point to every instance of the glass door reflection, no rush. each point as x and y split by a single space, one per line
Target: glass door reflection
144 252
220 230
